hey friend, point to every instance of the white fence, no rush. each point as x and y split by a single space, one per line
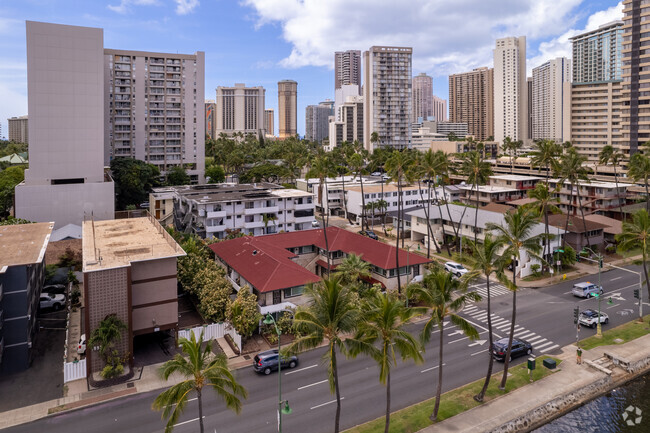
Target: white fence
212 332
74 370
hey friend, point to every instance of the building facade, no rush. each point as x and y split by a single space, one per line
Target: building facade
18 129
350 126
317 122
597 54
269 122
240 109
287 108
387 97
510 95
422 97
154 109
471 101
551 101
439 109
347 68
210 123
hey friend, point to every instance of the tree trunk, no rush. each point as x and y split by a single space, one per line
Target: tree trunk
363 205
198 396
345 201
645 271
479 397
506 361
442 225
387 403
436 407
426 215
620 205
647 196
476 217
399 278
327 245
338 391
582 214
547 233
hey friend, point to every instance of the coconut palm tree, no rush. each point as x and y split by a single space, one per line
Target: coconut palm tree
488 261
516 234
200 369
544 205
329 314
357 164
445 168
322 169
352 270
382 335
107 334
546 154
478 172
636 234
610 155
572 170
426 167
639 168
445 296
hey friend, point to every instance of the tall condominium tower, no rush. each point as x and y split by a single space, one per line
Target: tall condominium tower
510 95
597 54
551 104
210 121
387 96
269 121
287 108
347 68
439 109
240 109
65 182
350 127
316 122
18 129
471 101
154 109
422 97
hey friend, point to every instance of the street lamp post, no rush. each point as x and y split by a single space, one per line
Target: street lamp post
286 409
599 330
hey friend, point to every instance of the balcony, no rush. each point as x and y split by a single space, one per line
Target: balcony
304 206
258 210
256 224
304 219
217 214
213 229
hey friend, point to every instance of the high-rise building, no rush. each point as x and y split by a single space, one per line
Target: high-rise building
387 96
551 104
269 121
65 181
18 129
341 95
154 109
287 108
422 97
317 122
350 127
529 108
240 109
597 54
210 122
439 109
471 101
510 95
347 68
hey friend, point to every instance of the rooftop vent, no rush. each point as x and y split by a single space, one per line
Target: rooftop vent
254 252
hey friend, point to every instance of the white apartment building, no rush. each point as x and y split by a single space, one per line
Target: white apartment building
422 98
333 190
317 122
551 101
65 96
254 209
387 96
154 109
510 91
349 127
412 195
18 129
240 109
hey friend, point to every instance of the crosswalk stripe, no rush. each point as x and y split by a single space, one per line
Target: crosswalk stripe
537 340
476 313
503 327
539 346
525 334
548 349
498 321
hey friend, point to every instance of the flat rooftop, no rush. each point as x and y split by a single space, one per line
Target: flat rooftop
226 192
515 177
488 189
116 243
23 244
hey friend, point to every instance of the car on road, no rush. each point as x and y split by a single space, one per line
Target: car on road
519 348
267 361
81 347
375 173
455 268
51 300
370 234
590 318
586 290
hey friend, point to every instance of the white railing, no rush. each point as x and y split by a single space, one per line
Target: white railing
212 332
74 370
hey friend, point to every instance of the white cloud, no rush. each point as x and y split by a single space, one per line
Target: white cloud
184 7
125 5
446 37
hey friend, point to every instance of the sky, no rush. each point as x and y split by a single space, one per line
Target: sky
260 42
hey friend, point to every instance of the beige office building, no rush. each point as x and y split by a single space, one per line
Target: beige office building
287 108
439 109
65 98
269 121
471 101
154 109
18 129
347 68
387 96
240 109
510 91
551 101
422 97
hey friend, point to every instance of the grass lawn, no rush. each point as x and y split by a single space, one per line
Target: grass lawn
416 417
630 253
626 332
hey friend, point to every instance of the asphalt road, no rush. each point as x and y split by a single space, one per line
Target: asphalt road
544 317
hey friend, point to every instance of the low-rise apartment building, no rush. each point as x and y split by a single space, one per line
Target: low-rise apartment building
603 198
411 195
22 274
161 205
254 209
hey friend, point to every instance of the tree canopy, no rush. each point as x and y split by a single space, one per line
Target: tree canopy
133 181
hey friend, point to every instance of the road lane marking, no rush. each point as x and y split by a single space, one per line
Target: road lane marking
548 349
300 369
482 327
614 279
432 368
312 384
615 305
325 404
479 352
539 346
455 341
185 422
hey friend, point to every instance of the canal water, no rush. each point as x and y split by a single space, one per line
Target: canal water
606 414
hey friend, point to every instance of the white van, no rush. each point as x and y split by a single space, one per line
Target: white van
586 290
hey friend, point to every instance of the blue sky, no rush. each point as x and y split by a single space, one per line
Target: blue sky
259 42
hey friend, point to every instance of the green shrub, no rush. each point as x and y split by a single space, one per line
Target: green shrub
535 268
110 371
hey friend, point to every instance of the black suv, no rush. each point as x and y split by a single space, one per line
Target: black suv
266 362
370 234
519 348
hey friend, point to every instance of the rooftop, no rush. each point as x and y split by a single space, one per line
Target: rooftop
23 244
216 193
522 201
597 184
576 224
388 187
116 243
515 177
613 226
488 189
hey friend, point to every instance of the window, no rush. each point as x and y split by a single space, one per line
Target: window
294 291
249 205
306 249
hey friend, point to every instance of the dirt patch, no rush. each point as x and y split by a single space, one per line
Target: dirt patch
56 249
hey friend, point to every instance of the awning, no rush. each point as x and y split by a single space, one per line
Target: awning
277 308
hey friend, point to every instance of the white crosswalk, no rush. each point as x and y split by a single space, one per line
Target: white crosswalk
540 344
495 290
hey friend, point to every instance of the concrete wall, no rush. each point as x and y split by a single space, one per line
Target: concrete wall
154 295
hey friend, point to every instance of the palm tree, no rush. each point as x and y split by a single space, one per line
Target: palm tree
384 319
546 155
201 368
352 270
478 173
330 314
572 170
106 334
516 234
356 164
445 296
445 168
636 234
639 168
322 169
425 167
610 155
544 205
508 148
488 261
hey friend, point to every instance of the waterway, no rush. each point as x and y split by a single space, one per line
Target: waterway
606 414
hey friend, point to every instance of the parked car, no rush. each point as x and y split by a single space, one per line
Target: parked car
51 300
315 224
81 348
375 173
519 348
266 362
54 288
417 279
144 205
586 290
455 268
370 234
590 318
